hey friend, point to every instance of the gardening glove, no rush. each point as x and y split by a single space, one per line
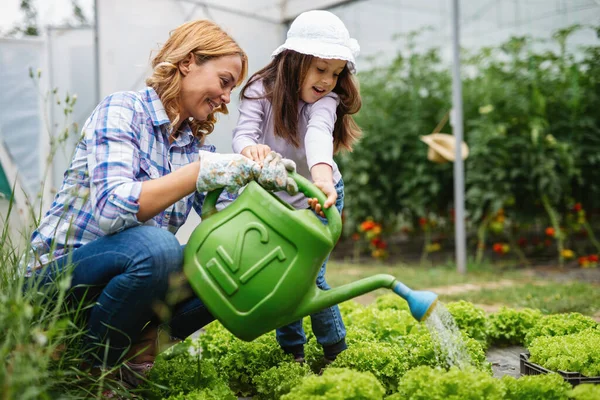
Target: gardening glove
229 171
274 174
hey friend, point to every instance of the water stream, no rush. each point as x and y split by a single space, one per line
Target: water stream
450 349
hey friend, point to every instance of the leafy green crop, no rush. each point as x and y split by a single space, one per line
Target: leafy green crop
559 324
181 370
279 380
387 325
337 384
426 383
349 306
218 393
585 391
421 351
471 319
386 361
390 301
509 326
579 352
240 361
536 387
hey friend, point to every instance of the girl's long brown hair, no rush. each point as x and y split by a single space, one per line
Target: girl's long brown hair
283 78
205 40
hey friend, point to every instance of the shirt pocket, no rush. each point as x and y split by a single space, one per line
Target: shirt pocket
146 168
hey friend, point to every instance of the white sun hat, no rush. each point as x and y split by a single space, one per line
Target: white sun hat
442 147
321 34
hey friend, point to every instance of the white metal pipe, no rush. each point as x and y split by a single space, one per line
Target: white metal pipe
457 124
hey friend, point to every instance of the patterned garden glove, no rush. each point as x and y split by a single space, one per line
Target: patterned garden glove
274 174
229 171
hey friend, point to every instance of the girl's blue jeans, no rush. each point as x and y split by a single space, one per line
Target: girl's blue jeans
127 276
327 324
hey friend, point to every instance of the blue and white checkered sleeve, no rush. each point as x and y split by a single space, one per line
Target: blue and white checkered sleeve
112 136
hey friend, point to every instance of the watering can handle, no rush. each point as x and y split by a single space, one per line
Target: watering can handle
306 187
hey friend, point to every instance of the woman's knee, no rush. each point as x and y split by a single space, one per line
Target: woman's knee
161 249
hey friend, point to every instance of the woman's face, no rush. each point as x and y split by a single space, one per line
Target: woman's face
205 87
321 78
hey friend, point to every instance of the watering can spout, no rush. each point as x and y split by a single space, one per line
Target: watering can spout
420 303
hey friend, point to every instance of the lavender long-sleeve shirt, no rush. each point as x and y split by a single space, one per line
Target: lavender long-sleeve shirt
315 133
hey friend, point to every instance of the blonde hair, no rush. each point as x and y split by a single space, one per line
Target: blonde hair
205 40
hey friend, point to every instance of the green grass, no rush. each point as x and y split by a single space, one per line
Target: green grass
549 297
529 291
420 277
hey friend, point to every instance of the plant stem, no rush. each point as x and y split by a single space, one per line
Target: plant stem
591 235
514 245
481 235
557 233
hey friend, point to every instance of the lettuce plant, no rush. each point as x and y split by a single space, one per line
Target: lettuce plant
386 361
337 384
181 370
277 381
238 361
579 352
586 391
426 383
349 306
390 301
559 324
509 326
471 319
536 387
216 393
387 325
421 351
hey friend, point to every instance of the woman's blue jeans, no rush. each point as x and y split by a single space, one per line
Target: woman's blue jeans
327 324
127 275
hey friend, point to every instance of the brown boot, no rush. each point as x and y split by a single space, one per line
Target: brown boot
140 357
145 348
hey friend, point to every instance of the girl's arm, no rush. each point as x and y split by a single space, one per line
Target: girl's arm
322 177
248 133
318 143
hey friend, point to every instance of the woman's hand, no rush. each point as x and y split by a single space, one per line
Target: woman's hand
229 171
257 152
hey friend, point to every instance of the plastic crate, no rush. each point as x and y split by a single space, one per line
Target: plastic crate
574 378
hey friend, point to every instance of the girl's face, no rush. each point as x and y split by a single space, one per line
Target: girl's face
321 78
205 87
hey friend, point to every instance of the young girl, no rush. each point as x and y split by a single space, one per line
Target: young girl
300 105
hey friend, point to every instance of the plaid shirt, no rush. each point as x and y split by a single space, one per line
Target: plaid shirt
124 143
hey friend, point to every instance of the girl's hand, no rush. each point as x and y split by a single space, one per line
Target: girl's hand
274 174
328 188
256 153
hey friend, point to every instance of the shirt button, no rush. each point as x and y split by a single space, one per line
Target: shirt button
111 197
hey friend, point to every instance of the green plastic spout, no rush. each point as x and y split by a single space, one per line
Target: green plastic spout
317 299
420 302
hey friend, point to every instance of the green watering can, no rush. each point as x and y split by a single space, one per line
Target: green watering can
255 263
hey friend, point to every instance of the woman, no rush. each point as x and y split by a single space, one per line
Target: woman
137 171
